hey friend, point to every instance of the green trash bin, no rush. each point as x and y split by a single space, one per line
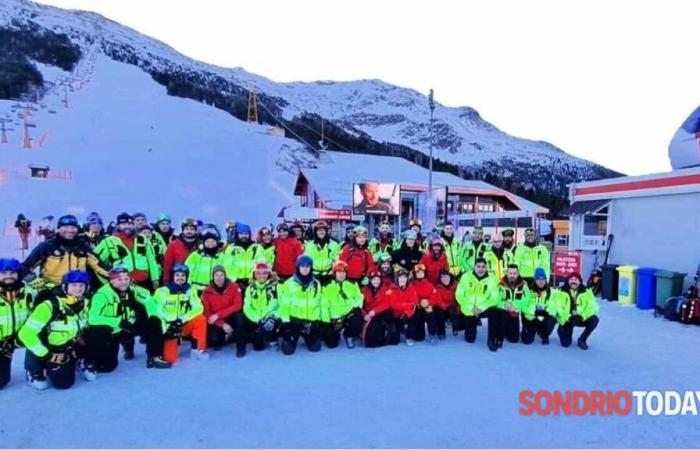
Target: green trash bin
627 285
668 284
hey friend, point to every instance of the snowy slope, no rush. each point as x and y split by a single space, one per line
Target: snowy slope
129 146
453 396
386 113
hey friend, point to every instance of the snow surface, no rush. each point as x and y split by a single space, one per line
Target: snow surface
454 395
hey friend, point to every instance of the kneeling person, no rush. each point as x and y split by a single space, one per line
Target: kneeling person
300 308
261 307
15 301
538 313
223 308
577 308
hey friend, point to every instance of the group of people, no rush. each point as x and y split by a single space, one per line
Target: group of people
84 294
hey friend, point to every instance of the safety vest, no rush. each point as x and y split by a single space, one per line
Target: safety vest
300 303
14 310
530 258
107 308
323 256
54 323
142 257
474 292
170 307
261 301
340 299
201 265
240 261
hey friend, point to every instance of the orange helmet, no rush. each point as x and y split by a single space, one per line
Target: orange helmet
340 266
419 267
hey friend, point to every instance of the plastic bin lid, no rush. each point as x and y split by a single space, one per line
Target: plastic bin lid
628 269
669 274
609 266
647 270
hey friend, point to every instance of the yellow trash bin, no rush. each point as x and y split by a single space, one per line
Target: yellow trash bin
627 285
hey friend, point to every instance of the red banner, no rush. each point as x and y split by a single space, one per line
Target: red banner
335 214
566 263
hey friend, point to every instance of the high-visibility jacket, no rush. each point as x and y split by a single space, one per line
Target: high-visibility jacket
177 302
141 257
471 251
201 264
497 266
260 301
528 258
240 261
54 323
323 254
379 246
264 253
517 295
453 250
583 302
15 304
297 301
476 292
546 300
108 308
340 299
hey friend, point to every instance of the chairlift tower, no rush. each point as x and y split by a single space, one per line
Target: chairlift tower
252 105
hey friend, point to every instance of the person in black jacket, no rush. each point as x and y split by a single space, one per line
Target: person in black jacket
409 254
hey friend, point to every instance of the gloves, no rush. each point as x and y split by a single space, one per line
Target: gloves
7 347
127 326
174 330
268 324
34 282
337 324
61 357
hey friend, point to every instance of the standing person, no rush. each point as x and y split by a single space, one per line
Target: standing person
202 261
435 261
297 232
349 235
24 228
53 332
15 302
453 249
126 248
509 244
425 311
65 252
323 250
118 312
261 307
474 250
404 300
513 293
343 308
223 308
264 249
230 229
180 248
94 230
577 308
357 256
300 305
386 270
181 312
446 306
287 250
409 252
140 221
384 243
376 310
498 258
162 237
241 255
539 313
416 225
531 255
478 296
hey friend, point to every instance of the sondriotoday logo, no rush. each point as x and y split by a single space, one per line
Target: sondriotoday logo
609 403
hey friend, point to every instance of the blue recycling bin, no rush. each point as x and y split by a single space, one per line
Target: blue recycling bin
646 288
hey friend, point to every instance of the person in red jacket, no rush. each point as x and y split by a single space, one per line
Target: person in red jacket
376 310
180 248
223 308
427 300
404 300
446 305
435 260
357 255
287 250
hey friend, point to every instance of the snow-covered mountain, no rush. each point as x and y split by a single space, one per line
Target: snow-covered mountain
367 116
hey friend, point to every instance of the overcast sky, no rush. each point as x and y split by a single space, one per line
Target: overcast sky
609 81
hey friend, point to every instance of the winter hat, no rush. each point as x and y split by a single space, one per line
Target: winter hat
305 260
478 229
162 217
262 266
138 214
93 219
124 218
436 240
374 274
217 268
350 227
529 232
242 228
410 234
188 222
445 272
540 274
68 220
320 224
508 232
574 275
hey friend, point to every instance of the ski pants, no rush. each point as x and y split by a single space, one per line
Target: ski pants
103 344
5 368
511 326
351 325
59 371
451 313
420 319
543 328
216 337
375 333
496 322
258 336
566 331
195 329
295 328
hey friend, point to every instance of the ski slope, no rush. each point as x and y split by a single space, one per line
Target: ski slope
454 395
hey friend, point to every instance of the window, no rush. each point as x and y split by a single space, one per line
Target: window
562 240
486 207
595 225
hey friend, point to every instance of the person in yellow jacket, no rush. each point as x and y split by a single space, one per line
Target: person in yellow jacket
264 249
323 250
300 306
15 301
577 308
477 296
240 256
498 258
52 334
539 312
513 293
343 300
453 249
474 249
134 251
530 255
202 261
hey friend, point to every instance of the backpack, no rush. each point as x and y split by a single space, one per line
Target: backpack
672 308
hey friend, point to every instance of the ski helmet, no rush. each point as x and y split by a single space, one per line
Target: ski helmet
339 266
9 265
68 220
75 276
